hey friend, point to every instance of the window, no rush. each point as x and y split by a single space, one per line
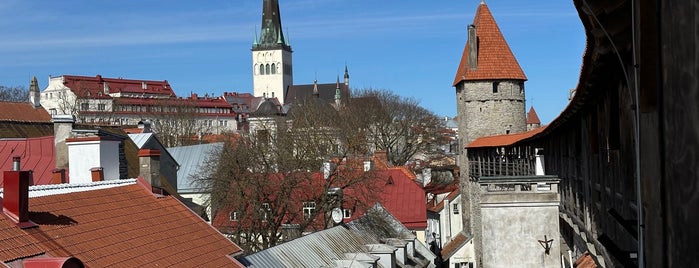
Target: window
456 208
346 213
495 87
234 215
101 107
267 69
84 106
262 69
274 68
308 208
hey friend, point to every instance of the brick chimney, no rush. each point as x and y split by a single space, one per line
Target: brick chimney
149 163
382 156
15 201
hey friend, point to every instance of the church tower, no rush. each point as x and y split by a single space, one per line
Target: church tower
489 100
271 55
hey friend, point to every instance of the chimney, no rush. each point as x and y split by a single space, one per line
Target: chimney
62 127
15 202
144 85
472 47
381 155
149 160
88 152
58 176
34 93
97 174
106 87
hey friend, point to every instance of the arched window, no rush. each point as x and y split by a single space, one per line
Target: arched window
262 69
274 68
267 68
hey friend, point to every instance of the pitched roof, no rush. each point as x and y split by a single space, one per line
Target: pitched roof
455 244
438 206
503 140
326 92
532 117
495 59
81 85
191 158
123 226
404 198
23 112
37 155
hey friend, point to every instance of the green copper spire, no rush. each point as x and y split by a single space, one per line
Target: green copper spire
337 88
271 34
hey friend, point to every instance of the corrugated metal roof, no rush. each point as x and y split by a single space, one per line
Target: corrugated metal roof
325 248
191 158
54 189
140 139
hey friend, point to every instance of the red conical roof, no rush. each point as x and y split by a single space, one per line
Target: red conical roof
532 117
495 59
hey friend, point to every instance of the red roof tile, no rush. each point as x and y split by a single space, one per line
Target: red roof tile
15 243
37 154
585 261
22 112
503 140
81 85
495 59
127 226
532 117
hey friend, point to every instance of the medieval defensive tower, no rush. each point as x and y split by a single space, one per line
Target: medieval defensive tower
489 83
490 101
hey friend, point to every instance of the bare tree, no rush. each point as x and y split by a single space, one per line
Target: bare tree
14 94
284 174
396 124
177 122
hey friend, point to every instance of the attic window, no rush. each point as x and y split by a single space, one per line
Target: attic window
346 213
495 87
389 181
308 208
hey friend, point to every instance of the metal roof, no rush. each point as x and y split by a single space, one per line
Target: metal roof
351 242
54 189
140 139
191 158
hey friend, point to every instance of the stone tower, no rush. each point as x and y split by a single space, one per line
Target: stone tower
271 55
489 99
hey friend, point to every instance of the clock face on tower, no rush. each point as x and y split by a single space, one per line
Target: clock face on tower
336 215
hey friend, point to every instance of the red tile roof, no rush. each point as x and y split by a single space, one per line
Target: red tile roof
405 199
495 59
437 207
37 154
455 244
585 261
503 140
532 117
22 112
15 243
124 226
81 85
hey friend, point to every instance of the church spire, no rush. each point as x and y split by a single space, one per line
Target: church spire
271 34
346 76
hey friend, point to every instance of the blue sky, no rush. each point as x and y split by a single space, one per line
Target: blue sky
410 47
